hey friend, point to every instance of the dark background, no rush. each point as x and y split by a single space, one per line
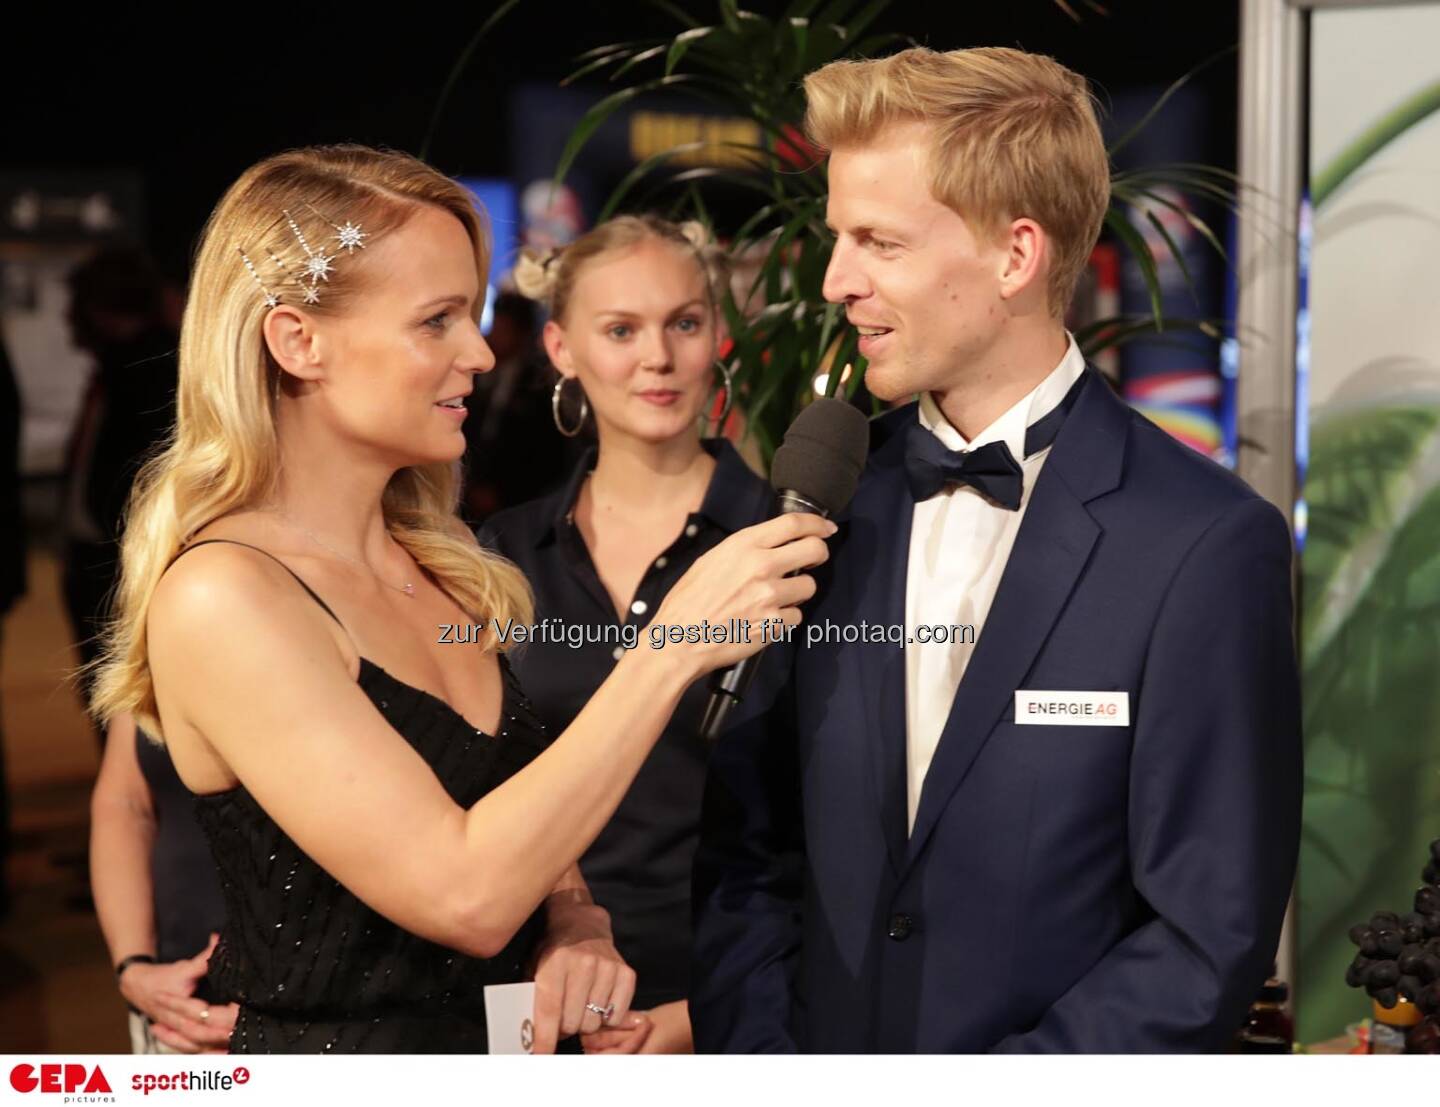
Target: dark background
190 97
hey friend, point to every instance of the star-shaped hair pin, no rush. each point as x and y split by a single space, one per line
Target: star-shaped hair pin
312 294
318 267
350 236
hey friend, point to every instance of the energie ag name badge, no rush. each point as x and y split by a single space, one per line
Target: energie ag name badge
1072 708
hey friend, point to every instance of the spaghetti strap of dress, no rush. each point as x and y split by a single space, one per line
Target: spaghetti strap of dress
298 579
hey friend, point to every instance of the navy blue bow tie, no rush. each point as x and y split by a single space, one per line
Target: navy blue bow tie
990 469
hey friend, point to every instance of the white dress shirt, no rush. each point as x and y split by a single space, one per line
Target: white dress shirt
959 544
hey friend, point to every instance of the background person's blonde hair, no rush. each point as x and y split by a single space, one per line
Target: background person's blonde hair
224 453
549 277
1014 135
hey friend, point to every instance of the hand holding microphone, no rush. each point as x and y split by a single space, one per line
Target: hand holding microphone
751 579
815 472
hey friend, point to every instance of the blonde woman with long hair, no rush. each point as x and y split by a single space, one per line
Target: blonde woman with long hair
394 828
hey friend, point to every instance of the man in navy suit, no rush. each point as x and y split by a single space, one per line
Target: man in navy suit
1070 824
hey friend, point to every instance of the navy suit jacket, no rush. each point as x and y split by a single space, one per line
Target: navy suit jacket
1065 888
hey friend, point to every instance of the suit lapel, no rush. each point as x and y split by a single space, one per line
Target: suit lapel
878 552
1050 552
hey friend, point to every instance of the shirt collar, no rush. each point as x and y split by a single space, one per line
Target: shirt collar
565 499
1010 427
734 499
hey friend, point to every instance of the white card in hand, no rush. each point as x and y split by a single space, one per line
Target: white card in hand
510 1017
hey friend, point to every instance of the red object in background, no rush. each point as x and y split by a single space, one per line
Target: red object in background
794 149
1098 297
734 428
1424 1037
1268 1027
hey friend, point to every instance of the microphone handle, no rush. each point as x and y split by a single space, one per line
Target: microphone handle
728 686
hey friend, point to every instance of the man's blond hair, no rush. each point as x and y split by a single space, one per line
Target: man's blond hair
1014 135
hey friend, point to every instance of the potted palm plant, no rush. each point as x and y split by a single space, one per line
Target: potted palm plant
785 337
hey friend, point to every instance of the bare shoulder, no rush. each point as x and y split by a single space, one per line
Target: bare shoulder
225 598
219 580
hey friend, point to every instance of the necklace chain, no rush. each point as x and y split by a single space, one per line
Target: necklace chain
406 589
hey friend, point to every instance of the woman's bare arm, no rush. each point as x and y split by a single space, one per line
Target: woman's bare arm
239 659
122 834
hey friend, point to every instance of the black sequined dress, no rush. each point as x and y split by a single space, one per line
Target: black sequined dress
313 968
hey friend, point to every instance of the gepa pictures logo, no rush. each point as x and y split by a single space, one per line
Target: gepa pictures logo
66 1079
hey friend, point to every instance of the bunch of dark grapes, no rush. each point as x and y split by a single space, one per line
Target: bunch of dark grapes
1399 955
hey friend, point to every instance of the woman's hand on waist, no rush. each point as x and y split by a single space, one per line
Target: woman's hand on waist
165 995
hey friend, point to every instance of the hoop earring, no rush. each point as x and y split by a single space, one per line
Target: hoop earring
568 432
727 380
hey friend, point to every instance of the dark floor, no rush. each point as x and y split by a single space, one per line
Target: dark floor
57 993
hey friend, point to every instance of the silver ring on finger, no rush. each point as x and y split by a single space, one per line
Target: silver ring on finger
604 1012
205 1015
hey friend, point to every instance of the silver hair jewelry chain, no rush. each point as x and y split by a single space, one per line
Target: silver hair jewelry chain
315 267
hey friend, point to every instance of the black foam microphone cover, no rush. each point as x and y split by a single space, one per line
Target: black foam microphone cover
822 456
816 469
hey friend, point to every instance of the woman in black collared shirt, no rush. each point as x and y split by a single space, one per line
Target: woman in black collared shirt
633 332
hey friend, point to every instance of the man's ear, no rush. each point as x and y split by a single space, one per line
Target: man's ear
558 348
1026 263
294 342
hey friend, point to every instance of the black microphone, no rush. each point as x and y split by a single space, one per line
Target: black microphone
816 469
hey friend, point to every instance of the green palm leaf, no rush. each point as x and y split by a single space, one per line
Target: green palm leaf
751 66
459 67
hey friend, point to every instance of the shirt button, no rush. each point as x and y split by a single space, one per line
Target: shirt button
661 562
900 927
691 531
619 653
639 607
